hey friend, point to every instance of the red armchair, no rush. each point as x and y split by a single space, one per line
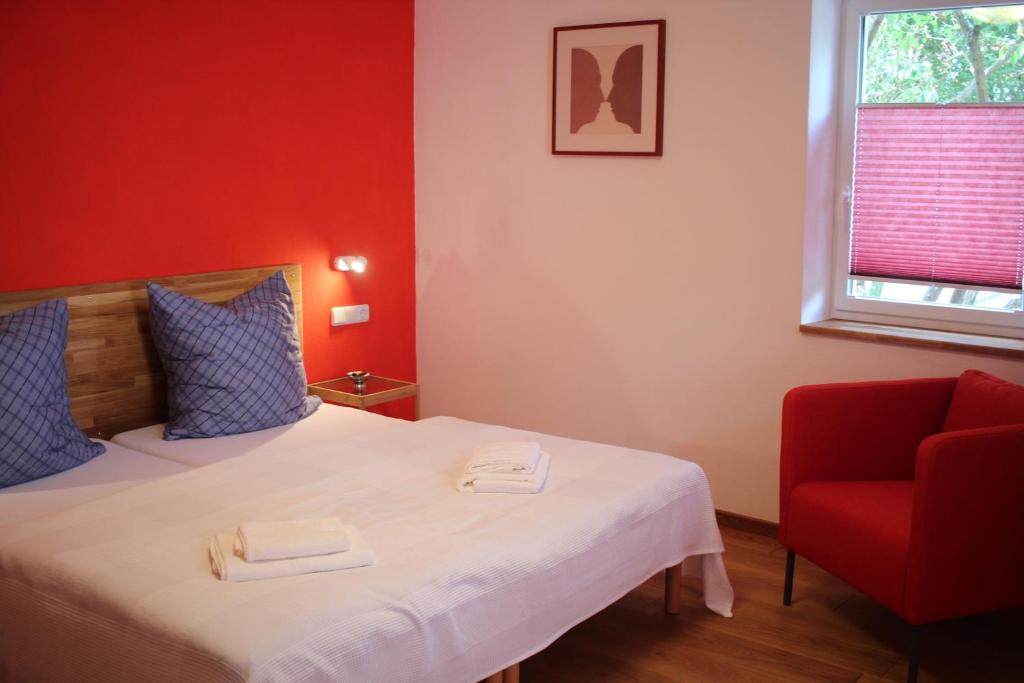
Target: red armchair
911 491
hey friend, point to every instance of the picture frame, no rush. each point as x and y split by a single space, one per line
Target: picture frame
608 89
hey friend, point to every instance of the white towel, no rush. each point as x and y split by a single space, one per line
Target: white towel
505 482
229 567
292 538
505 456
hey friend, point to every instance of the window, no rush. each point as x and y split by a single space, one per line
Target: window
930 229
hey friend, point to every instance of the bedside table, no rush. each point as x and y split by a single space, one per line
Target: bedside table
377 390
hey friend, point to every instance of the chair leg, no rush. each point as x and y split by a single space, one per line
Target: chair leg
915 653
787 591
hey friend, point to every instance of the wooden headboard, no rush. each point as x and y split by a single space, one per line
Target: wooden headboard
115 379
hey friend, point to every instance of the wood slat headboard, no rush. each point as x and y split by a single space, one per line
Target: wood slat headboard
115 379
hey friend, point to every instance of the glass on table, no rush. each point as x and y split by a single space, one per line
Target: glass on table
372 385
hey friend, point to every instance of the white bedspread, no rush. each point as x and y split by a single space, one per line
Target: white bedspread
119 468
329 422
464 585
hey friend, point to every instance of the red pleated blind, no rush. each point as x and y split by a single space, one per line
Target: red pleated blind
938 194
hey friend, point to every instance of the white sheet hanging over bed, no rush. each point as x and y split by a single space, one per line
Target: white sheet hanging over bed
464 585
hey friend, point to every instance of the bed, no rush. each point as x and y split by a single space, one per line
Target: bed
117 469
465 585
330 423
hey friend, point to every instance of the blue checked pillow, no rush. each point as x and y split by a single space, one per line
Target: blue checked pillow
38 436
230 369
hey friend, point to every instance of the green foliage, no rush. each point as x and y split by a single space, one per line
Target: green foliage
925 57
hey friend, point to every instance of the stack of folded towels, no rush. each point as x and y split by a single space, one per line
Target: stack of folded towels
505 467
267 550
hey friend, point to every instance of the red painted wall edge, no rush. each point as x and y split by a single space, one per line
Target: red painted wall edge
144 139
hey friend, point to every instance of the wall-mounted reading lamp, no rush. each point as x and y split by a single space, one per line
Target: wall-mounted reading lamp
356 264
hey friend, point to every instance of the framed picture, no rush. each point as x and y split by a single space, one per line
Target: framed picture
609 89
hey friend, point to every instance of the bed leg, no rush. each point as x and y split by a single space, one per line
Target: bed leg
506 675
674 589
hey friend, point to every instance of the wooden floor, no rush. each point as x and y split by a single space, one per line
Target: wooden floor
830 633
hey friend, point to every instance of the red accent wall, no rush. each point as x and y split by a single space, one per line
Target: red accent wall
151 138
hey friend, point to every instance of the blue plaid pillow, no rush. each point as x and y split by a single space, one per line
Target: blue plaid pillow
38 436
230 369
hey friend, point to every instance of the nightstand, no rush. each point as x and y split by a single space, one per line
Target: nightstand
376 391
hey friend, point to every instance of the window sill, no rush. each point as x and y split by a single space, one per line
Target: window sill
912 336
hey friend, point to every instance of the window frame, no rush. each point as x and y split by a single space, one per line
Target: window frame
844 306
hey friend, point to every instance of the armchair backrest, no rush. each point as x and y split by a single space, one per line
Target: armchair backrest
984 400
857 431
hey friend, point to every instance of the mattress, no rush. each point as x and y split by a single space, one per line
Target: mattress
464 585
119 468
328 423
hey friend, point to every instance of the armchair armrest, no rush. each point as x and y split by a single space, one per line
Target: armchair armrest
966 549
857 431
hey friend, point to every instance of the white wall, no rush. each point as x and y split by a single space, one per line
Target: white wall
647 302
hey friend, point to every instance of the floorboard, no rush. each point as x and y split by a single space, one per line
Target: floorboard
830 633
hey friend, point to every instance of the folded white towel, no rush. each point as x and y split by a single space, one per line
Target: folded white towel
227 566
506 482
505 456
292 538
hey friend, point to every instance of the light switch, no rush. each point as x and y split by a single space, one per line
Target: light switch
348 315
